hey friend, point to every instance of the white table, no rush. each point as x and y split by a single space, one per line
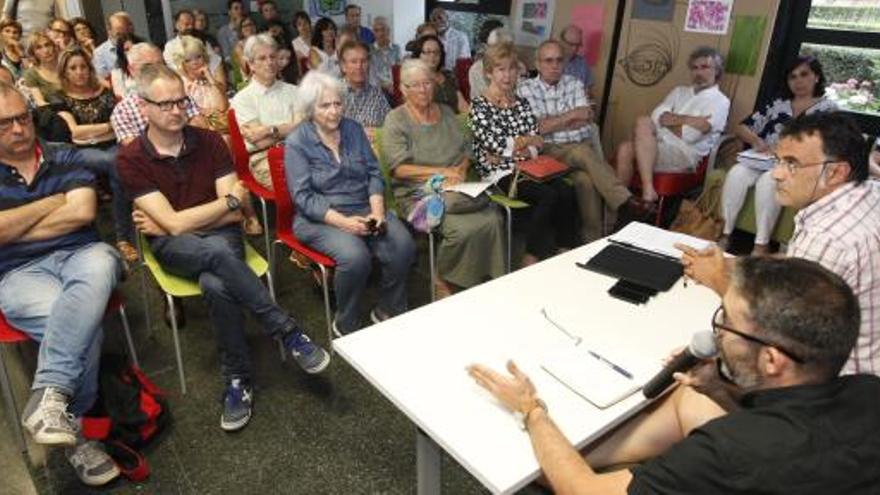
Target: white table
418 360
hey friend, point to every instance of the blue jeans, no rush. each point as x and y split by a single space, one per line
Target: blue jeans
59 300
354 259
103 162
216 259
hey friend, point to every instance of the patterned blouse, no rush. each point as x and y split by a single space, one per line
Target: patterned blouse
95 110
494 128
768 123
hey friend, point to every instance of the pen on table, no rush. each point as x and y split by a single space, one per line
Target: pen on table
609 363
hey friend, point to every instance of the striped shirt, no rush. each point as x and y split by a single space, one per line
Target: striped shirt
841 231
552 100
59 172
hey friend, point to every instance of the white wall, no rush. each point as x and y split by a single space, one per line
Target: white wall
404 16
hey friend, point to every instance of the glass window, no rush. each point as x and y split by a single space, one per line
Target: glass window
845 15
852 75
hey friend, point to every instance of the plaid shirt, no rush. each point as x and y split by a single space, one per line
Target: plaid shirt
368 107
128 122
841 231
551 100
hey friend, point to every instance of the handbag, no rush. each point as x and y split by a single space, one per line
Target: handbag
700 218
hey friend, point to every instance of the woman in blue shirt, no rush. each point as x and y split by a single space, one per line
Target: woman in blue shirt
338 191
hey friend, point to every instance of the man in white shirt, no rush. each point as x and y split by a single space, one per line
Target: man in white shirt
264 108
119 26
455 43
682 129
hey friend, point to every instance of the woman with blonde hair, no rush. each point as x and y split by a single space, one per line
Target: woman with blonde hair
206 89
42 75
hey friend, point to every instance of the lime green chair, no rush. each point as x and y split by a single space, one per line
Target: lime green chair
174 286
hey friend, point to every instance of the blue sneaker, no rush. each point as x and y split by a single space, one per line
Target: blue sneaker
310 357
238 401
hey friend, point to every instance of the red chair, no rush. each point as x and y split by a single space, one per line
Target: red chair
241 160
10 335
462 67
285 212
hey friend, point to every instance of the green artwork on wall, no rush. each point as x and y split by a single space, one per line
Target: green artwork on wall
745 44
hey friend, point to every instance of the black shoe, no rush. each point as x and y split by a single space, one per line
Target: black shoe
179 315
635 210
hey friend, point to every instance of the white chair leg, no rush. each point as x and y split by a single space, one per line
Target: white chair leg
132 353
266 229
509 238
432 267
9 397
177 353
327 314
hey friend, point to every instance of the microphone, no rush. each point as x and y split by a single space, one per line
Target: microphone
702 347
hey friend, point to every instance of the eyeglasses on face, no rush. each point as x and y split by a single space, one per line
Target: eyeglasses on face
718 324
167 105
793 165
22 119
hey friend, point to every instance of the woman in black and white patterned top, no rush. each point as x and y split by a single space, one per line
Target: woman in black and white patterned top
505 132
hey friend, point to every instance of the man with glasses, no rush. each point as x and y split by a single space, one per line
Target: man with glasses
264 108
188 203
56 277
768 415
572 41
681 130
821 169
565 122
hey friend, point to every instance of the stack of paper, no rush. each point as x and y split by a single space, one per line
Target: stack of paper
601 382
650 238
756 160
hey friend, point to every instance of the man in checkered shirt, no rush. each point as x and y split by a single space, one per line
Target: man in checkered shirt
565 122
822 171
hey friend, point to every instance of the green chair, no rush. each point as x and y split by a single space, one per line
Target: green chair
174 286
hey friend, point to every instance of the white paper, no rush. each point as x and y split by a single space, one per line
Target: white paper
655 239
472 189
755 159
588 376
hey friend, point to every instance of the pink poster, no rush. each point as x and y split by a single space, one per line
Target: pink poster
591 19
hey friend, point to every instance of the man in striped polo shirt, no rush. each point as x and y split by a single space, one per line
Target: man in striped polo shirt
55 280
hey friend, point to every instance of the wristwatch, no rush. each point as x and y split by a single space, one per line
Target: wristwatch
232 202
523 417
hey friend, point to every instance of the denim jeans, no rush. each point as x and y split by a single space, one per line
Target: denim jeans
354 259
103 162
59 300
216 259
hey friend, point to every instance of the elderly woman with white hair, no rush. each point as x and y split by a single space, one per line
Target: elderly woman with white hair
207 89
338 190
422 138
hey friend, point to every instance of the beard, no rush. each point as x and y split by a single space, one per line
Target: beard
742 372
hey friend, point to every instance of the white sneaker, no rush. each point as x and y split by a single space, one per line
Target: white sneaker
92 465
46 418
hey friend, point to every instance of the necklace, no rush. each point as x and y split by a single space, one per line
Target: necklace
425 121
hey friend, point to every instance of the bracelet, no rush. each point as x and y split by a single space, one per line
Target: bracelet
524 417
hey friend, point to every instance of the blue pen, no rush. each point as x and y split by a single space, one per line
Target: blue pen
613 366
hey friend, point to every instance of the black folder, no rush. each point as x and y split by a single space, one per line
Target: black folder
638 266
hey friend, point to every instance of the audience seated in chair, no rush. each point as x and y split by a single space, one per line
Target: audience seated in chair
571 40
364 102
564 116
206 88
323 53
821 169
456 44
42 76
681 130
265 107
55 280
506 132
384 54
119 26
804 94
338 191
429 49
772 400
184 25
195 232
422 138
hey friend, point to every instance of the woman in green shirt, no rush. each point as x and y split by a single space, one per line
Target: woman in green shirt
43 74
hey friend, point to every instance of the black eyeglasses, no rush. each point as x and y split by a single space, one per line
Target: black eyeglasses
167 105
718 325
22 119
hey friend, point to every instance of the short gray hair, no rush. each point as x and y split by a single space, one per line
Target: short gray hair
137 52
709 52
262 39
311 88
150 73
410 67
381 19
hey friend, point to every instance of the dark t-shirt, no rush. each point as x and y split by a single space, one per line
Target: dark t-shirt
186 180
809 439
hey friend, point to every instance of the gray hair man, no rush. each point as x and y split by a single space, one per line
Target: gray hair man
455 42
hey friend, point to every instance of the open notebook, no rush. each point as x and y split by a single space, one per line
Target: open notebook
650 238
601 382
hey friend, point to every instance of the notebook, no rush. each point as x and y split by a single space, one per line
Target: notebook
585 372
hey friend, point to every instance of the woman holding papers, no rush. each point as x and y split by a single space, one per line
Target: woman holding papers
803 94
506 132
420 139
